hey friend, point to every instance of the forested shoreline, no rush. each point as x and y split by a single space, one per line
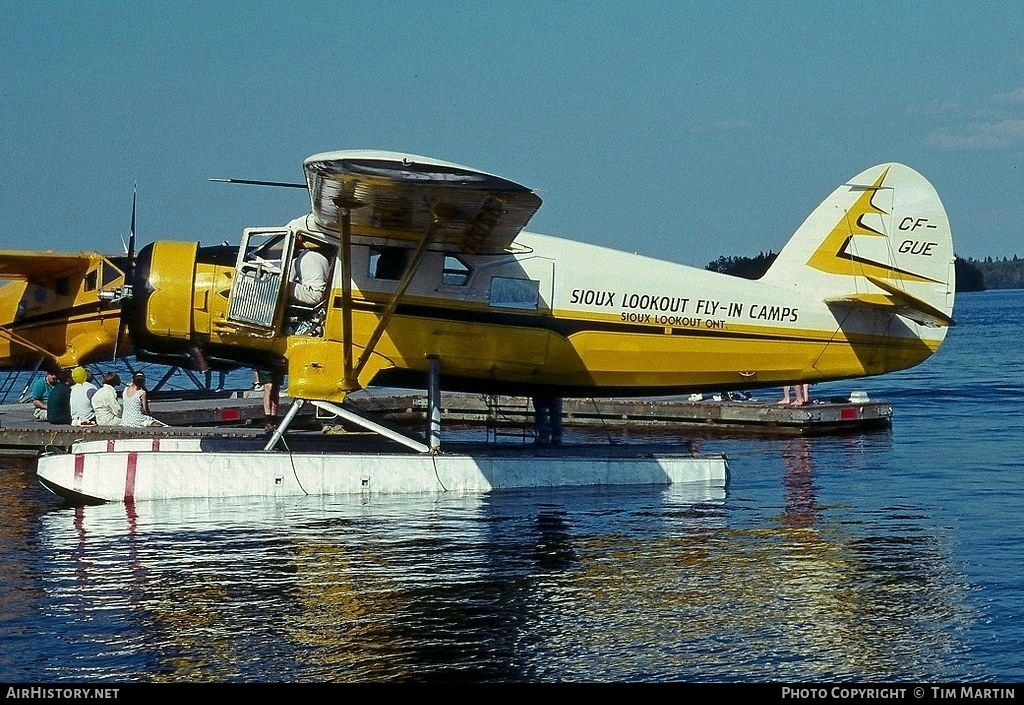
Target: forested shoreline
971 274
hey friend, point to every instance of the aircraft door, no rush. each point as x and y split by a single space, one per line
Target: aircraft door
260 282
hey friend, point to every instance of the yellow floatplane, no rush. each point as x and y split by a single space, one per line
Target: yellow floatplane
434 283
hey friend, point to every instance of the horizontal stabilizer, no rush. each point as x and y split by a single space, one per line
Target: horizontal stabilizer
905 304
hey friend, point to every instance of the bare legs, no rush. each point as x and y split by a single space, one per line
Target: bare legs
802 393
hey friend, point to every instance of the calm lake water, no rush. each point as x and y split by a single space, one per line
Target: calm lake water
888 556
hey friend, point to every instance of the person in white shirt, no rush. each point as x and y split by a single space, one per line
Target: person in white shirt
81 398
105 403
309 274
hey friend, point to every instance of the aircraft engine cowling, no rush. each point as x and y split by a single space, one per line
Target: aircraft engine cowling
162 293
179 304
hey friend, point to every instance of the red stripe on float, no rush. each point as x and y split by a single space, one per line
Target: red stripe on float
129 478
79 470
156 443
110 445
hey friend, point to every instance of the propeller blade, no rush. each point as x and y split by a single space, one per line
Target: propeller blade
122 326
131 233
251 182
129 276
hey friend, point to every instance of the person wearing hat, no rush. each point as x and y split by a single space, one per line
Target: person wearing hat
82 413
310 270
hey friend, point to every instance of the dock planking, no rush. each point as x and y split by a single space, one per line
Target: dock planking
705 417
211 415
239 415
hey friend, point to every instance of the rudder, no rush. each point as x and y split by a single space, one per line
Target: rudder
881 239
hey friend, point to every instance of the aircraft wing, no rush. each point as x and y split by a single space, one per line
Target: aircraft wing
398 196
41 267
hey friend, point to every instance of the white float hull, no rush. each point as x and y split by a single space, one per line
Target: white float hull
151 469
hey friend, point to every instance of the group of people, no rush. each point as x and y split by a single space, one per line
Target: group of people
71 397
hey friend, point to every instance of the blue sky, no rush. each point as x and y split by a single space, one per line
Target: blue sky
680 130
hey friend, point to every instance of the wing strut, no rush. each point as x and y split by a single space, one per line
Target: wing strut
439 212
345 208
25 342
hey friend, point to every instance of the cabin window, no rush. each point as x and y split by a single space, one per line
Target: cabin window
455 273
514 293
110 274
388 262
266 249
90 281
259 277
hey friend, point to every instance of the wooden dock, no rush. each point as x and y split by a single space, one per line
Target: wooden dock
208 415
240 415
705 417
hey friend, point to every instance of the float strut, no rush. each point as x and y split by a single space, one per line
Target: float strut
434 404
372 426
283 426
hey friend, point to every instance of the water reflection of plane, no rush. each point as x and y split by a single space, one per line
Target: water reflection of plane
194 577
800 512
864 592
589 584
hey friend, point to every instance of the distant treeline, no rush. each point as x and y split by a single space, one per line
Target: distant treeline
971 274
994 273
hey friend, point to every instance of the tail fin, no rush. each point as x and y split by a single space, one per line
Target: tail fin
880 240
